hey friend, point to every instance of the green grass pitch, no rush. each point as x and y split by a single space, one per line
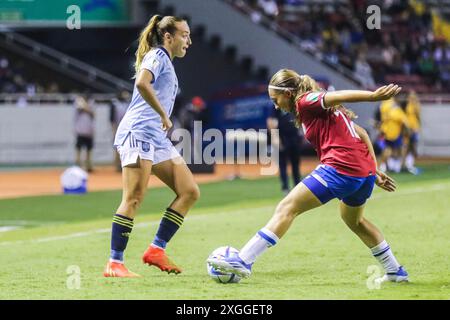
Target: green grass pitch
319 258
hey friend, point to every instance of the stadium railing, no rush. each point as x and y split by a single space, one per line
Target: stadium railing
23 99
291 38
95 78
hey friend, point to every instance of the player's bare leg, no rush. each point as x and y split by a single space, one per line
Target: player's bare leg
385 155
175 174
135 180
89 167
299 200
371 236
78 157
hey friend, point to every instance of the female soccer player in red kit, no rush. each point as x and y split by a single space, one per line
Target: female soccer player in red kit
348 170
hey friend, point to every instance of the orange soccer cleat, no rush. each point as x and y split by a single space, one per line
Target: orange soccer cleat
116 269
157 257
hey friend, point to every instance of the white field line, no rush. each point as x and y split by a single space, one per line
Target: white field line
8 228
437 187
29 222
107 230
9 225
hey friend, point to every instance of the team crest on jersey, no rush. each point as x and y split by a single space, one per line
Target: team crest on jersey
145 146
312 96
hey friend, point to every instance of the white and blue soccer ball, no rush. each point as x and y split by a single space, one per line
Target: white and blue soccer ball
219 276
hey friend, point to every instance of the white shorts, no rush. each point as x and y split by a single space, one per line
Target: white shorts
132 149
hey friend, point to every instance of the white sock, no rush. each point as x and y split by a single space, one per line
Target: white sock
391 164
257 245
397 165
382 252
409 161
116 261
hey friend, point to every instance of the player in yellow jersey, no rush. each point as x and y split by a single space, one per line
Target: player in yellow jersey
413 118
380 116
393 122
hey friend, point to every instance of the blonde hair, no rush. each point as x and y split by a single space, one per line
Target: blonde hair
153 35
299 85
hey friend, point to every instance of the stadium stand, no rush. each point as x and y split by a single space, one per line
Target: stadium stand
412 47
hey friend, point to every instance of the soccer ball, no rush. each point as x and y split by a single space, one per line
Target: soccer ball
220 276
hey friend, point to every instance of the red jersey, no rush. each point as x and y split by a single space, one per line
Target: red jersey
334 137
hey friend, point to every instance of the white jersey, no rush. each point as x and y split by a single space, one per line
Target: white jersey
141 119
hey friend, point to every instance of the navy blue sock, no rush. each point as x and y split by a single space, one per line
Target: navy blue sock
170 223
121 229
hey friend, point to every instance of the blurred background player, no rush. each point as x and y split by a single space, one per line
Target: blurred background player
413 118
348 170
393 124
288 144
84 130
144 147
117 109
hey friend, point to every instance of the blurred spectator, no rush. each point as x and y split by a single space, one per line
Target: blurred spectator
194 110
53 88
117 108
427 66
16 77
363 72
336 33
269 7
288 145
84 131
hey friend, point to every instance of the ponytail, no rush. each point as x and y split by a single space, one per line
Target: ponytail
153 36
306 84
147 40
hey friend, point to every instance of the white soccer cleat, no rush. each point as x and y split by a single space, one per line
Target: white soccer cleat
400 276
231 264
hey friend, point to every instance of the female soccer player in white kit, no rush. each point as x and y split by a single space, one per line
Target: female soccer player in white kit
144 147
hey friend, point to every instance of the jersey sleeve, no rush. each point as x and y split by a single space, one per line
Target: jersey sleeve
153 63
311 103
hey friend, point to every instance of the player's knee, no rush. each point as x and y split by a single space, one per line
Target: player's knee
135 199
192 193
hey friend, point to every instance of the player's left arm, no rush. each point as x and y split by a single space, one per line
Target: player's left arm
383 180
335 98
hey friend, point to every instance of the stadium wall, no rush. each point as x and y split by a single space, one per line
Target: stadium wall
45 135
434 139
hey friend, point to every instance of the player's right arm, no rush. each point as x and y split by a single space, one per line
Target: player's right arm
335 98
143 85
